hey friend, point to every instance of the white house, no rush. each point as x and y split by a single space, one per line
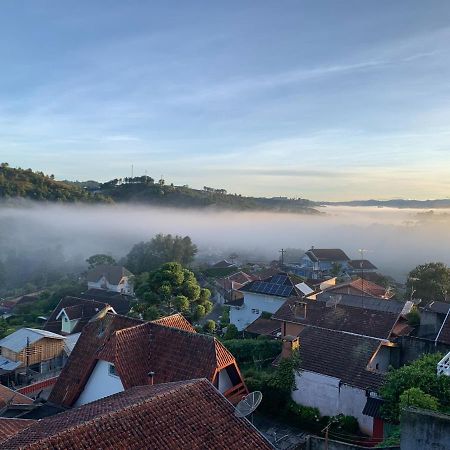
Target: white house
110 278
259 296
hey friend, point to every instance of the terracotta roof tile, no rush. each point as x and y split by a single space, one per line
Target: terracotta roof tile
184 415
176 321
137 348
363 321
340 355
365 286
77 308
266 327
8 396
10 427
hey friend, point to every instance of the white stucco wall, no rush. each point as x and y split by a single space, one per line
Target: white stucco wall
254 305
224 381
380 362
100 384
124 287
324 393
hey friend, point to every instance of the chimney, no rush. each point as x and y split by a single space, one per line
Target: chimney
290 343
151 376
300 310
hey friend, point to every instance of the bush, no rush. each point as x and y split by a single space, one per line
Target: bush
231 333
210 326
416 397
254 351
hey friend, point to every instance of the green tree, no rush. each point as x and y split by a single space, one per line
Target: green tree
430 282
147 256
173 287
420 374
210 326
100 259
419 399
3 328
231 333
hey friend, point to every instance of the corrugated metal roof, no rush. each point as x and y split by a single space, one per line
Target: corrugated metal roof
70 342
17 341
6 365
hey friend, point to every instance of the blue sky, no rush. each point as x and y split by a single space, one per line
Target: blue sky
319 99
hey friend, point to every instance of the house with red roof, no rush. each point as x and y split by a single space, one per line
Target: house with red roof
115 353
184 415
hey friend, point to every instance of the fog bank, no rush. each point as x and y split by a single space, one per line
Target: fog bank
395 240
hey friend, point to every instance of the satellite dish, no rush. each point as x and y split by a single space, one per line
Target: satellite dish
333 301
248 404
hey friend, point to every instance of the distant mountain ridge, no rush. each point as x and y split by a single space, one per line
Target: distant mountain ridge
24 183
395 203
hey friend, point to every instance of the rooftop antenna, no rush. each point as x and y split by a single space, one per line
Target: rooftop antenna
282 251
248 405
132 171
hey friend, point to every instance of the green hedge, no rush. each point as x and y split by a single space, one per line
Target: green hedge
260 352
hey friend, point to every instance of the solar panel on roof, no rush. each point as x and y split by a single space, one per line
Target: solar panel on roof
287 291
279 279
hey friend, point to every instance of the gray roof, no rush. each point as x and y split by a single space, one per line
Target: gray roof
112 273
69 343
372 303
327 254
6 365
17 341
361 264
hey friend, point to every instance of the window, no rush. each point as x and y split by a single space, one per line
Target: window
255 311
112 370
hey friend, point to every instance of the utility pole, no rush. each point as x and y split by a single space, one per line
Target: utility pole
132 171
282 251
27 356
361 252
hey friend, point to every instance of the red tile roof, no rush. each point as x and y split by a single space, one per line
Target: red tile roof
137 348
340 317
176 321
10 427
184 415
265 327
365 286
341 355
8 396
76 308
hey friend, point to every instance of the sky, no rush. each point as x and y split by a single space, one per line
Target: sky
327 100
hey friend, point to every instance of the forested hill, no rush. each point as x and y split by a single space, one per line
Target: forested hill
145 190
37 186
24 183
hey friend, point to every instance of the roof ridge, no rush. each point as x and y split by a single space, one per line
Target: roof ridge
113 413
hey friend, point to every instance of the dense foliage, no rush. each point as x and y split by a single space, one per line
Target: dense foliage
420 374
430 281
258 352
25 183
146 190
100 259
143 189
171 288
163 248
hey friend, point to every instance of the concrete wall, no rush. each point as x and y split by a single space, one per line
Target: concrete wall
100 384
424 430
381 361
412 348
317 443
225 382
254 305
332 398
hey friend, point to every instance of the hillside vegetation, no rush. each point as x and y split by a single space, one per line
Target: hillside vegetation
24 183
146 190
